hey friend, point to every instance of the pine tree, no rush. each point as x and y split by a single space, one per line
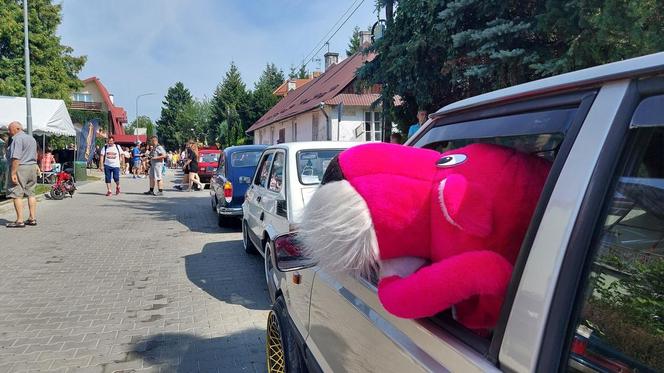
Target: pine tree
263 98
53 67
169 128
354 42
230 105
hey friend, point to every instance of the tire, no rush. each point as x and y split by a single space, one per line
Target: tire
271 287
57 194
224 221
249 247
282 353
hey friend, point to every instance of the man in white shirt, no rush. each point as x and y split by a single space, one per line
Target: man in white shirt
111 157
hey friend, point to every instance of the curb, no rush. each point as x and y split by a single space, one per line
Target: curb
8 204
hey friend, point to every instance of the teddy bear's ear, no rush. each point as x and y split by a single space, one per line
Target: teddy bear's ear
466 205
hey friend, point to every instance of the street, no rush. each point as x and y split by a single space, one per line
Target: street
129 283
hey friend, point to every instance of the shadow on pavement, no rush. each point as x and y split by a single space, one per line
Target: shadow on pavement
175 352
226 272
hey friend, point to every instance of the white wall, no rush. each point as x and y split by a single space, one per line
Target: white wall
351 118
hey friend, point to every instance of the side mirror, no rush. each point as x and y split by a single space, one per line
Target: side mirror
287 255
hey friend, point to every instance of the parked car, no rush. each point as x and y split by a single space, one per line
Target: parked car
207 163
586 289
233 172
285 179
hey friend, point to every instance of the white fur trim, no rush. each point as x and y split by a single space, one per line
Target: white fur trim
441 197
337 230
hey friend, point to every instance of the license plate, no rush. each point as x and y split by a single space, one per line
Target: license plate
245 180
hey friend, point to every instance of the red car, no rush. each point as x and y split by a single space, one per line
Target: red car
207 163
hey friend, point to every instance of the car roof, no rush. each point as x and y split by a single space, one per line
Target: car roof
309 145
648 64
238 148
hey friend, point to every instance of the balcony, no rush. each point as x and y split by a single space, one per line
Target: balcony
82 105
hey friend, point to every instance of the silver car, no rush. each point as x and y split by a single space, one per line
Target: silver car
586 292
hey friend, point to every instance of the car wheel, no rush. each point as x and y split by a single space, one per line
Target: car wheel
271 287
249 247
282 353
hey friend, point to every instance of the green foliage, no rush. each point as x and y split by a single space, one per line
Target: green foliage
230 106
170 129
194 122
141 122
53 67
298 73
262 98
436 51
84 116
354 42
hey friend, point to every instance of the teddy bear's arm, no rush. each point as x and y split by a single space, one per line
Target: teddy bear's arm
439 286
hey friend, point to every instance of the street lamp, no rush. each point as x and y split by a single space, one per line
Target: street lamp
28 88
137 97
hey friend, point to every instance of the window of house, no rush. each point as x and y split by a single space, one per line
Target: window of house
282 136
83 97
373 126
277 173
314 127
263 170
620 326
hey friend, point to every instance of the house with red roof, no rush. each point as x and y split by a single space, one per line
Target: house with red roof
95 97
329 107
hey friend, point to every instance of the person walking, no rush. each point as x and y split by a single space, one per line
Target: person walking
136 160
192 166
112 157
23 174
157 156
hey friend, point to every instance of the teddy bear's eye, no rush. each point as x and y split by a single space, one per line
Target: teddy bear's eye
451 160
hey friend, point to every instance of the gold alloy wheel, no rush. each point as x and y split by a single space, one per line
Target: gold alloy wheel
276 361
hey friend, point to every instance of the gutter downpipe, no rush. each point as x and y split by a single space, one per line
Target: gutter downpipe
340 110
328 125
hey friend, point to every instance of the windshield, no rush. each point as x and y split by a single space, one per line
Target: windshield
311 164
245 159
209 157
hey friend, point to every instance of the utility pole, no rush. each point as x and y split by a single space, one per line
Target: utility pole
28 87
389 20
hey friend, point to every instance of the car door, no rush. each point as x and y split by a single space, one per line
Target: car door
274 202
255 195
218 179
349 328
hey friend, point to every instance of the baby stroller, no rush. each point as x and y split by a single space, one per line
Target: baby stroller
64 184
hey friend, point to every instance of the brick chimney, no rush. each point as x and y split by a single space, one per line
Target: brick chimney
292 85
365 39
331 59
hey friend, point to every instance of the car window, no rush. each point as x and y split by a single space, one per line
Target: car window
209 157
311 164
263 170
540 133
620 327
277 173
245 159
221 166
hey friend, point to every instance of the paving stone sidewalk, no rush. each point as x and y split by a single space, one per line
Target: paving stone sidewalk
129 283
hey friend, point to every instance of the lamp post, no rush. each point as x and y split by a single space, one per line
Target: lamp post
137 97
28 88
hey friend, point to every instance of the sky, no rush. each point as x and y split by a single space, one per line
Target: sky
145 46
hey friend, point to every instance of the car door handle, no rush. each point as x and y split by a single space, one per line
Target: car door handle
262 216
258 199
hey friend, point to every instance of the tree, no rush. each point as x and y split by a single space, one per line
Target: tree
230 105
169 128
298 73
194 121
53 67
437 52
142 122
354 42
263 98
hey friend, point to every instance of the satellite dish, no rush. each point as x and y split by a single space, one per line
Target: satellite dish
378 29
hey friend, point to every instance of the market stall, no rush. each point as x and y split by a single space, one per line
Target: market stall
49 117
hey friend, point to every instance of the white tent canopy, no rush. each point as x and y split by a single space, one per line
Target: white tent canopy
48 116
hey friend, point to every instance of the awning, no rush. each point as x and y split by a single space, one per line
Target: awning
48 116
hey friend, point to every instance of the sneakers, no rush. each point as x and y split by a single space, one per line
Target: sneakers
149 193
108 194
117 191
160 193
